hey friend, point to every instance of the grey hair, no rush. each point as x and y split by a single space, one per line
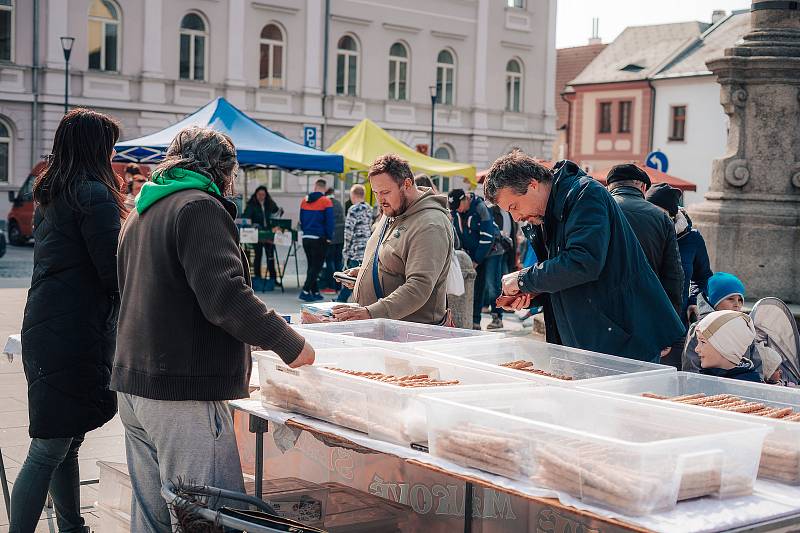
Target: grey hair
205 151
626 183
514 171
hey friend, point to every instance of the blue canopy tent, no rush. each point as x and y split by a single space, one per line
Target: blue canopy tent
255 144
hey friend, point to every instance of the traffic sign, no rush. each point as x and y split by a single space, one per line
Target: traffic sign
310 136
657 160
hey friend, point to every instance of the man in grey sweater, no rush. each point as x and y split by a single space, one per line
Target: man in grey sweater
186 319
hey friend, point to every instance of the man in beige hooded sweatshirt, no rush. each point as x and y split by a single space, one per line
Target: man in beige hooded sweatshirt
413 245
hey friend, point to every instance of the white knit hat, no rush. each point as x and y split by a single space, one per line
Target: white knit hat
730 332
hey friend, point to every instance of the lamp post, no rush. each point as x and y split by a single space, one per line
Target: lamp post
66 46
434 97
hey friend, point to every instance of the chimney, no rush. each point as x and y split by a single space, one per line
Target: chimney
595 38
717 15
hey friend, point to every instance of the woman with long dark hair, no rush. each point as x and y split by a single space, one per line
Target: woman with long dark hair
260 208
69 328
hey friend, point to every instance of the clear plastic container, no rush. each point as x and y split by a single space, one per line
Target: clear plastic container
297 499
780 459
580 365
388 333
605 450
382 410
112 520
114 489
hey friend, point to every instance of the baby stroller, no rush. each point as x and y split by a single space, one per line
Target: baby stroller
775 327
190 506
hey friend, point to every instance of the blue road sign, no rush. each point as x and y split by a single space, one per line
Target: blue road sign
657 160
310 136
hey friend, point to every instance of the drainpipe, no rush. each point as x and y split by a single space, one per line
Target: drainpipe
652 116
569 123
35 87
325 74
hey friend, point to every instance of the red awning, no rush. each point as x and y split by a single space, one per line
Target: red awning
656 176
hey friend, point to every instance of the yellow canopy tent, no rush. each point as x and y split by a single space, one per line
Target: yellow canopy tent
366 141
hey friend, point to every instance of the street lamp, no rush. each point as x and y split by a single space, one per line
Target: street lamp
434 98
66 46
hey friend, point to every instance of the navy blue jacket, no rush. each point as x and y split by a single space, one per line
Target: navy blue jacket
746 371
316 217
603 293
476 229
696 266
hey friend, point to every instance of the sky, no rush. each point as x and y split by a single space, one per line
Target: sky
574 25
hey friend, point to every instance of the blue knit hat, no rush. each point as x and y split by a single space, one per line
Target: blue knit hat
721 285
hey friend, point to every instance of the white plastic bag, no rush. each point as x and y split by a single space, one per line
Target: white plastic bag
455 281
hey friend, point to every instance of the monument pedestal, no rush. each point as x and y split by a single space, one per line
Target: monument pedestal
750 218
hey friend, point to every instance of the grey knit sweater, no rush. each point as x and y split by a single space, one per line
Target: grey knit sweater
188 313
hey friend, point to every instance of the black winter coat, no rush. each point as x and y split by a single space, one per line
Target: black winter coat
604 295
69 328
656 234
258 216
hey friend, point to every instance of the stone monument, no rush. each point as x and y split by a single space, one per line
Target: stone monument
751 215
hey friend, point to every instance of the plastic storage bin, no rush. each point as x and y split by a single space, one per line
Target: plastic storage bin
780 459
114 490
632 457
382 410
387 333
580 365
112 520
297 499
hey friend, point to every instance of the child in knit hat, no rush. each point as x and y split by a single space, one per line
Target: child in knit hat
723 339
725 292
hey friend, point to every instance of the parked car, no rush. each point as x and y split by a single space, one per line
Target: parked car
2 239
20 217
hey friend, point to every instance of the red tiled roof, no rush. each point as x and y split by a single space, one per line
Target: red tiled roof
569 63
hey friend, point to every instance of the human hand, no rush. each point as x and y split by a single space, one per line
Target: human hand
515 302
665 351
352 272
343 313
692 313
511 283
475 265
306 357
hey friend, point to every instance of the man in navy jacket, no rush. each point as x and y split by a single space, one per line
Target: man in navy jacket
603 295
317 223
476 230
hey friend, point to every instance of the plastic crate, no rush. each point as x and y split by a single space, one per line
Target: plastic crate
382 410
631 457
581 365
780 459
388 333
114 490
112 520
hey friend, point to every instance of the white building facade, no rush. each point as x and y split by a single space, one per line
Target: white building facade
150 62
691 148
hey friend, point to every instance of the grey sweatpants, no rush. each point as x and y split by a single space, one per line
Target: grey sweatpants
165 440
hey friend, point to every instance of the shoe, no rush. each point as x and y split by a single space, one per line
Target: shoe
317 297
307 297
496 323
328 291
476 326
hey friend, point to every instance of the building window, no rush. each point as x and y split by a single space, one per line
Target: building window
347 66
625 116
272 60
513 86
520 4
5 152
103 38
445 77
442 182
6 29
605 117
677 130
194 50
398 72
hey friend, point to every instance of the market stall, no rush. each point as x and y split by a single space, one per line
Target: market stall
507 434
366 141
256 147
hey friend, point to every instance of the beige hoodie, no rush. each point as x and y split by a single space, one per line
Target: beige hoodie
413 263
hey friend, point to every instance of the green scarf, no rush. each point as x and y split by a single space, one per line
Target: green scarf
162 184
